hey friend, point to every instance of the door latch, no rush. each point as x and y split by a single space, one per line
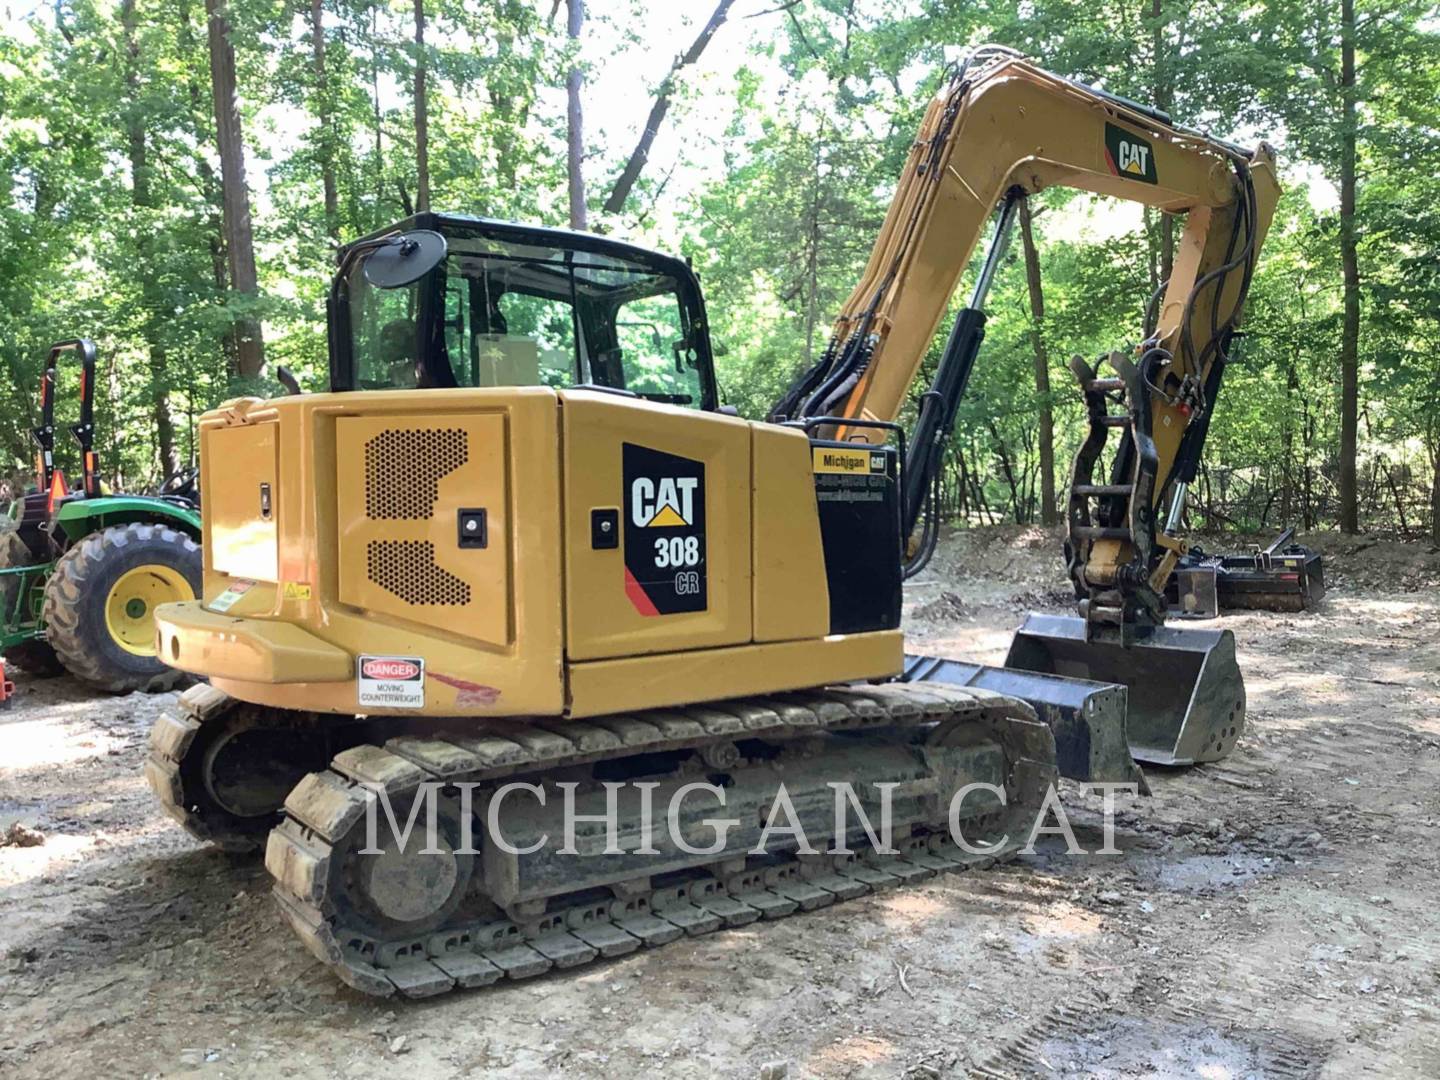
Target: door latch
474 531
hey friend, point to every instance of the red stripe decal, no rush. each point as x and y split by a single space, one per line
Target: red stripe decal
636 592
469 694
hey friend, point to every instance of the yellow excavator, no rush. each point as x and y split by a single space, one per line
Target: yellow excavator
520 542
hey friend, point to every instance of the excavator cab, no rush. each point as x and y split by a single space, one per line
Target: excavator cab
446 301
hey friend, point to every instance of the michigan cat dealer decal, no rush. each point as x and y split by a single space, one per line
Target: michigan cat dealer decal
664 512
1129 155
861 462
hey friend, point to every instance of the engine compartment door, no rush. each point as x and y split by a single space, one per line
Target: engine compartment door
657 527
423 520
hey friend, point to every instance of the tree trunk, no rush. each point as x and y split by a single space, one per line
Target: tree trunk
326 118
641 154
1164 100
575 120
1435 496
1007 473
235 195
1349 260
1287 442
1152 262
167 458
376 119
512 107
1399 498
812 259
210 189
1042 368
422 116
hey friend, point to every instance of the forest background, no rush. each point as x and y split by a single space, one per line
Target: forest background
181 172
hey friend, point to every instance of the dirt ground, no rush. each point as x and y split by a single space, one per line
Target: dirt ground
1275 914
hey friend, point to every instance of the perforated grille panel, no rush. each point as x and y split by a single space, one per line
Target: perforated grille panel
401 481
407 569
403 469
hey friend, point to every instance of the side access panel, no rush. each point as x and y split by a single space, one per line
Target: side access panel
409 487
790 591
657 527
242 500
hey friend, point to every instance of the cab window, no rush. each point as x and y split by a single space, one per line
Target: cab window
385 332
499 313
656 353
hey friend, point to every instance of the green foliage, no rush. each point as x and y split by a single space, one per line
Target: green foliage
110 223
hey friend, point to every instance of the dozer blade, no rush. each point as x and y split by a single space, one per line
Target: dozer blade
1186 695
1088 718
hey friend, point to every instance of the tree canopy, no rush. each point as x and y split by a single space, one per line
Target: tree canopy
181 172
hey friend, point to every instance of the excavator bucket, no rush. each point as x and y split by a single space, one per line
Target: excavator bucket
1088 718
1186 700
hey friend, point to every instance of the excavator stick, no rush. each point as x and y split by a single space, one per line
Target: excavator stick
1186 697
1086 717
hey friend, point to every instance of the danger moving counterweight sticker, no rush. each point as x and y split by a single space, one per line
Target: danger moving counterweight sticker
232 594
664 511
391 682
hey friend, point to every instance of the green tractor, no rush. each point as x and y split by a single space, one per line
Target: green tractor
82 571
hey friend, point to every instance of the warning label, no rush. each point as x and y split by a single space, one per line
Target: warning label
231 596
391 682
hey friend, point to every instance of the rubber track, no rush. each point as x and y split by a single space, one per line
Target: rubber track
170 739
323 809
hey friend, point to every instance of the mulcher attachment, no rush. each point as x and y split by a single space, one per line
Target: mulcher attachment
1186 697
1283 576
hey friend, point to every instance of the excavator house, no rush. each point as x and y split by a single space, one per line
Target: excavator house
521 541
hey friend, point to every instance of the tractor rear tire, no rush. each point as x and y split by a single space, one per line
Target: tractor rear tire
36 656
100 599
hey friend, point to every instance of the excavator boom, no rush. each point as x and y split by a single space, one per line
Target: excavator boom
999 130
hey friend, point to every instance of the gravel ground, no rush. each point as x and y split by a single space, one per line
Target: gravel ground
1273 914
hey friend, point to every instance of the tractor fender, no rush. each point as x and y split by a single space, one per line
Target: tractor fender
81 517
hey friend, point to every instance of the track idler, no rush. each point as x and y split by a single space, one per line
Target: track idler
222 767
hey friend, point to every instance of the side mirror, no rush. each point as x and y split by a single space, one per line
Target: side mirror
402 260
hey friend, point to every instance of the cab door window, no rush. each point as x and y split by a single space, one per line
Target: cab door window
656 354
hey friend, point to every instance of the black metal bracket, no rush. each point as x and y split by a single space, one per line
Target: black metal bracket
604 529
473 528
